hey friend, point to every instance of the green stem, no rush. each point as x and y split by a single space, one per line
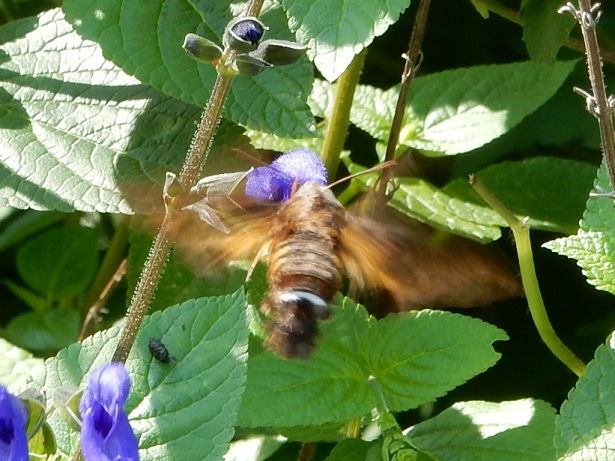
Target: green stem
337 125
535 302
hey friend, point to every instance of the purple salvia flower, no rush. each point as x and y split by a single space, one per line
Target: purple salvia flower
13 440
105 432
275 182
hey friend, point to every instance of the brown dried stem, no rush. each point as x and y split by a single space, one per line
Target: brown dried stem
598 103
412 58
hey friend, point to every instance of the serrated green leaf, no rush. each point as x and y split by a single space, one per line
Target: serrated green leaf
413 357
324 389
78 133
147 43
416 357
337 30
460 110
585 428
550 191
59 263
182 410
423 201
44 331
544 29
16 366
593 244
507 431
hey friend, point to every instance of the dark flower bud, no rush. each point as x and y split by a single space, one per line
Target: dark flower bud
279 52
243 34
249 65
201 49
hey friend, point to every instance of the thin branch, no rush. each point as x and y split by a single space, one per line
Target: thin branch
530 281
413 58
598 103
93 315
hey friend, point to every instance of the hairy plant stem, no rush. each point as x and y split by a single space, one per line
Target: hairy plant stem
535 302
188 177
337 125
598 103
412 58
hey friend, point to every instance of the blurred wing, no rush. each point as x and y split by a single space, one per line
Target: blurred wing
418 269
203 247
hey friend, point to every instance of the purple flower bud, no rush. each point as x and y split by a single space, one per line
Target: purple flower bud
105 432
249 30
13 440
294 168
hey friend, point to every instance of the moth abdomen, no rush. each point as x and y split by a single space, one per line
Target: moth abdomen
294 316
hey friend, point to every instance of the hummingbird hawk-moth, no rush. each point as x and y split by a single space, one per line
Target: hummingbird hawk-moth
287 217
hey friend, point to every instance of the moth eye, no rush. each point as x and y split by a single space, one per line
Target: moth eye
158 350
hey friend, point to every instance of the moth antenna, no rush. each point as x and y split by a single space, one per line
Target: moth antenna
380 166
262 164
249 157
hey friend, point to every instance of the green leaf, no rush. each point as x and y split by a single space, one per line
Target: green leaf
350 450
550 191
78 133
47 331
413 358
182 410
336 30
460 110
585 428
32 300
423 201
16 366
273 101
508 431
26 224
61 262
594 243
544 29
445 350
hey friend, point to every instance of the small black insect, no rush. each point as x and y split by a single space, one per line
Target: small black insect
158 350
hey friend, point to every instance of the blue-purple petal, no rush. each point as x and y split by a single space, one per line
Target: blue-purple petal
105 431
13 440
294 168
